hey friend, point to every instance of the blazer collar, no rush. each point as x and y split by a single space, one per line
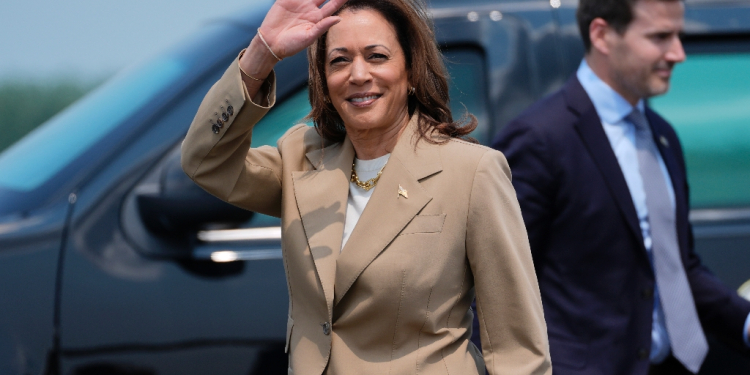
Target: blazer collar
589 127
387 212
321 196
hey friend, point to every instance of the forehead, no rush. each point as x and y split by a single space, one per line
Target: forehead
364 26
658 15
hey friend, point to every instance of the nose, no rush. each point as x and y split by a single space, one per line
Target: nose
676 53
360 72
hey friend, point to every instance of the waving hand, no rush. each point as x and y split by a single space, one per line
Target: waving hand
292 25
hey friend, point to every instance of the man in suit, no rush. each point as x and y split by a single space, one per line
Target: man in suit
602 185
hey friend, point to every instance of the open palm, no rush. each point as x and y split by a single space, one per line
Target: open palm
292 25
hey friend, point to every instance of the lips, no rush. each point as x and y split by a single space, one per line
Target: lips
363 99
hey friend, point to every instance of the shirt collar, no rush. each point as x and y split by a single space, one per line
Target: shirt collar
610 106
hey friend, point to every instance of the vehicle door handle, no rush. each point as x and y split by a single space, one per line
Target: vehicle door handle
229 245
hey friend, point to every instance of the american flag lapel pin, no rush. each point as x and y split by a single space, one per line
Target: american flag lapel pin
402 192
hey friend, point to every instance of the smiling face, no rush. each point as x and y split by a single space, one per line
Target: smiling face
366 73
642 58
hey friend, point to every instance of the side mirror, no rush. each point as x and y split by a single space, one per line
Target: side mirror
744 290
181 207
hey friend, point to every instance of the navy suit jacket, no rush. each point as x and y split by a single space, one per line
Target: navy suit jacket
594 273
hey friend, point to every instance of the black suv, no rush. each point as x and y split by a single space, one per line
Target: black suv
113 262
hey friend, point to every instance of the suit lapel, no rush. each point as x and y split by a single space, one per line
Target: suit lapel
321 196
589 127
387 212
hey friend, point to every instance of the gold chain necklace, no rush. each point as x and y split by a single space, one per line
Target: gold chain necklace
369 184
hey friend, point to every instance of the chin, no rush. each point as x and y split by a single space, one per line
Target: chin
657 90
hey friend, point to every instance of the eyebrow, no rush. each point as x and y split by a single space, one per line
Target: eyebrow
344 49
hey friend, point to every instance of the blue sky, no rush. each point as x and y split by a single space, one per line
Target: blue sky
90 39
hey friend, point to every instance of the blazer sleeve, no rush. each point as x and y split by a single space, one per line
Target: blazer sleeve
513 330
223 163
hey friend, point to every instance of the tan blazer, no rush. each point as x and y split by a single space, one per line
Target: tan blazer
396 299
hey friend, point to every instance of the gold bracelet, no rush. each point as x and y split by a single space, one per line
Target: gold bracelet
267 46
243 72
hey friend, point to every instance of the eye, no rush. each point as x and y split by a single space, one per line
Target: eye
662 36
337 60
378 56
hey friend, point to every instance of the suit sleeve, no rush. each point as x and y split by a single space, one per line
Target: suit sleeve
533 180
509 306
223 163
720 308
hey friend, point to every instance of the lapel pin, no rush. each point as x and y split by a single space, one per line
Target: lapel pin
664 141
402 192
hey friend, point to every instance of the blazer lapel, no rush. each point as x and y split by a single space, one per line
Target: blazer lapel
387 212
321 196
589 127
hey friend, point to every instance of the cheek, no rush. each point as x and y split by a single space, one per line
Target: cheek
335 83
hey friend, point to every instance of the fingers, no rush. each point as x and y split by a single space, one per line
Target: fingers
326 23
331 7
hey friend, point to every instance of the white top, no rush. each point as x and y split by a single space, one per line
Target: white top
358 197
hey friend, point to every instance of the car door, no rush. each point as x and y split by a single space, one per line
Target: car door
143 291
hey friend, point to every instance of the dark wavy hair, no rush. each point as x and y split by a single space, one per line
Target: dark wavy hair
424 63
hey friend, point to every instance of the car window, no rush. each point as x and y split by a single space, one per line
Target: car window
709 106
33 160
279 119
467 88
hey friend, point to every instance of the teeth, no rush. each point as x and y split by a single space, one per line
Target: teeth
364 99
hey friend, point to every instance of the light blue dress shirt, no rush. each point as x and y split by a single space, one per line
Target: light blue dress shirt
612 109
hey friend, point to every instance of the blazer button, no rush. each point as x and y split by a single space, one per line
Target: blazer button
215 129
230 110
220 122
225 117
647 293
326 328
642 354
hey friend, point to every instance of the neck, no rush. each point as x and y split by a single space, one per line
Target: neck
602 69
373 143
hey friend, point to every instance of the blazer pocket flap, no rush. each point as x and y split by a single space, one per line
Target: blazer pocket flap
425 224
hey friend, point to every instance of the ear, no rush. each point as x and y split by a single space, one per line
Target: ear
599 32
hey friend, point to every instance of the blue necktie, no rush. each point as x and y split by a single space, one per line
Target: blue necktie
686 336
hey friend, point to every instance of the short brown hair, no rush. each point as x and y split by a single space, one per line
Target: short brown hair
617 13
424 63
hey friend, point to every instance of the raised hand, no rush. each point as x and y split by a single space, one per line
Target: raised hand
289 27
292 25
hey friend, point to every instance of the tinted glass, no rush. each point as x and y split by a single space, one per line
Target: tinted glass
709 106
467 88
278 120
40 155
